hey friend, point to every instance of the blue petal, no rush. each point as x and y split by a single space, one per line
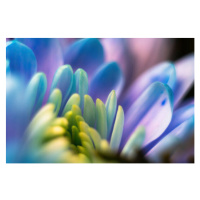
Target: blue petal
35 93
109 77
63 80
111 107
81 84
22 61
179 117
164 72
153 110
86 54
48 54
174 141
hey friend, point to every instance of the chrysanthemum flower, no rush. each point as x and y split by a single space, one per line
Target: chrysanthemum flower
81 112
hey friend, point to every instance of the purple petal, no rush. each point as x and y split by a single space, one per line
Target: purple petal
109 77
86 54
116 50
153 110
48 54
163 72
175 141
185 77
179 117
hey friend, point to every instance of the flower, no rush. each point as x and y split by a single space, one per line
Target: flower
52 115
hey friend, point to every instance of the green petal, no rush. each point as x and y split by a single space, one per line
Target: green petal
54 132
75 136
56 99
79 119
83 127
134 143
101 118
76 110
95 137
73 100
39 124
89 111
35 93
81 84
60 121
63 80
117 130
111 106
105 147
85 138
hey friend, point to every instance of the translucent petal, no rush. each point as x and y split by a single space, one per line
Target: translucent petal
73 100
111 106
22 61
89 111
179 117
101 119
81 84
173 141
153 109
56 99
63 80
35 93
117 130
73 89
185 77
86 54
164 72
108 77
134 143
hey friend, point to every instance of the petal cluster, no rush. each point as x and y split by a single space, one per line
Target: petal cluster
70 105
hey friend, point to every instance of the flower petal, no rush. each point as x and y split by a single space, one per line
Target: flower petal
117 130
81 84
180 116
111 106
108 77
116 49
185 77
48 54
73 100
101 119
134 143
86 54
63 80
89 111
56 99
164 72
153 109
35 93
22 61
173 141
